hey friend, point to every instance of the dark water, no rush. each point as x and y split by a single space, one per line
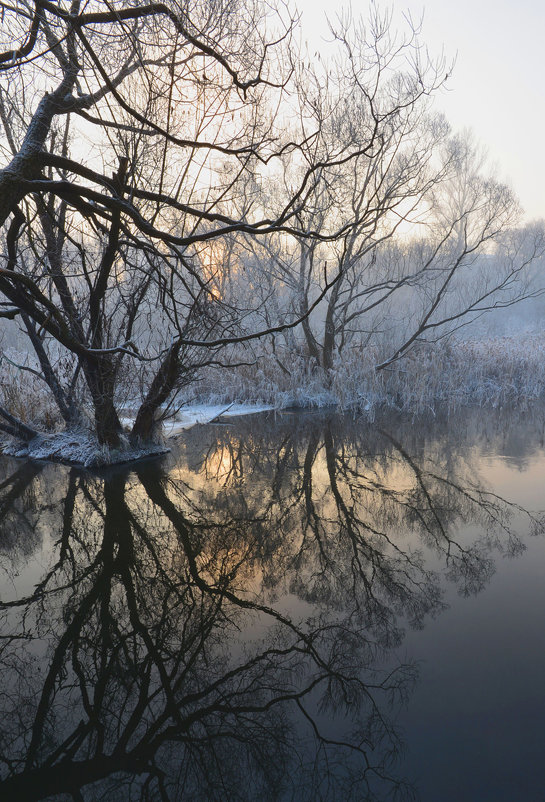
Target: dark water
292 607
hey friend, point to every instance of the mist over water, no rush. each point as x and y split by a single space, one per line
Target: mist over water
291 606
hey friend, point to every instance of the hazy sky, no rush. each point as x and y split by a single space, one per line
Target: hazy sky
498 85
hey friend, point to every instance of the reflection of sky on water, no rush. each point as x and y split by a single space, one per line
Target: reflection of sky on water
475 721
259 556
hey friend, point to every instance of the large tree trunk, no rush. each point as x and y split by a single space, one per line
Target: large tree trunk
312 344
27 163
161 387
101 373
329 333
107 424
101 382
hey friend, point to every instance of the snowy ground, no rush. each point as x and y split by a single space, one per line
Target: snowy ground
203 413
497 372
81 448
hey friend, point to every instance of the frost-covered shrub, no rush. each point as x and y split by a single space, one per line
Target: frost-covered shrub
24 394
496 372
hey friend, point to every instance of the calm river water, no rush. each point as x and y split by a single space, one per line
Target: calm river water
286 607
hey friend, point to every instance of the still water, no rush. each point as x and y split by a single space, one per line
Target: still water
287 607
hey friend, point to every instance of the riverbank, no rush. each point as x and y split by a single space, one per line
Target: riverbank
495 372
80 447
439 378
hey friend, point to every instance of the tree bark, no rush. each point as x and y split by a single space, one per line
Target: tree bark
100 375
15 427
161 387
329 332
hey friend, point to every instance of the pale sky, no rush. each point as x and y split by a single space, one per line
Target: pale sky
498 85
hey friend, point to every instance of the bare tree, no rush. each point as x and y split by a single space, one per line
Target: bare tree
442 248
131 136
472 257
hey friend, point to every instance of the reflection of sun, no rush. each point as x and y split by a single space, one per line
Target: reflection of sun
234 562
221 464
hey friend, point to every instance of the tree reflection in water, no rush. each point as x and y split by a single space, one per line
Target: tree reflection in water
200 631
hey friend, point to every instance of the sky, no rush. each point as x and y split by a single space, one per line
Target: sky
497 88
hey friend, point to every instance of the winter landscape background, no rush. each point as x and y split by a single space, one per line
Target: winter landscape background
211 208
259 220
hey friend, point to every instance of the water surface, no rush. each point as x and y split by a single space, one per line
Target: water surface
290 607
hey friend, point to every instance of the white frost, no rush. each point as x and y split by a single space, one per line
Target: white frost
206 413
82 448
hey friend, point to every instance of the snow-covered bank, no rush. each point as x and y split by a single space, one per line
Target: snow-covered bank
506 371
206 413
499 372
80 447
